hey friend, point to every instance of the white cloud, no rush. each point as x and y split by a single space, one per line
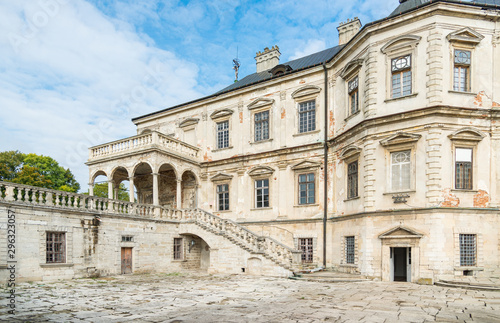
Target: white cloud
312 46
66 69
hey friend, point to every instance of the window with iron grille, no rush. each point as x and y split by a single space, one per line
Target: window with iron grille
400 170
261 193
177 248
307 116
353 95
463 168
306 245
262 125
127 238
223 197
461 70
56 247
349 249
223 134
306 189
352 179
401 76
468 249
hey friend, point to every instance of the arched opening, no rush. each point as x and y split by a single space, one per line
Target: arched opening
121 184
167 186
189 190
195 253
98 185
143 180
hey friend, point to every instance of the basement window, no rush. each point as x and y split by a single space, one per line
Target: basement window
127 239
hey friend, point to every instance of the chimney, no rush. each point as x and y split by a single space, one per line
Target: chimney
348 29
267 59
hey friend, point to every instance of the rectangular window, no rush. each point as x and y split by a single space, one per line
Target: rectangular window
261 193
306 189
177 248
467 249
400 170
352 179
223 197
223 134
307 116
401 76
349 250
262 126
306 245
463 168
461 71
56 247
353 95
127 239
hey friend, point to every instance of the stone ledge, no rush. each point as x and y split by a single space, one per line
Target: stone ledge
56 265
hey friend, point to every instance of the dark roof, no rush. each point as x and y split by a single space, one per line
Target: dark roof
410 5
296 65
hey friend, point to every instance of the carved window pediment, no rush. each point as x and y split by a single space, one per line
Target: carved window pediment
405 42
261 171
400 138
306 165
467 134
221 177
401 233
306 90
259 103
349 152
221 113
188 122
466 35
351 68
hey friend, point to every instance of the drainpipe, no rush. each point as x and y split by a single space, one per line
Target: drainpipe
325 165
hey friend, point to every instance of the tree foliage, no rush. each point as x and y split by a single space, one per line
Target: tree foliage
101 190
36 170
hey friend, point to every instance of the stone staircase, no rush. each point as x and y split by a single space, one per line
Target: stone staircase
247 240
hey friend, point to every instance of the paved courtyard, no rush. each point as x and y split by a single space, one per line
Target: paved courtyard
239 298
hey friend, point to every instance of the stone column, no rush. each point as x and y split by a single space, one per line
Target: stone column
156 196
91 189
110 189
131 189
117 188
179 194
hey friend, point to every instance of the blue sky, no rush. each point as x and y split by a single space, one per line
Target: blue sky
73 72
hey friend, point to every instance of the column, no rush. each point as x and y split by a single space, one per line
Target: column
116 191
156 199
110 190
179 194
91 189
131 189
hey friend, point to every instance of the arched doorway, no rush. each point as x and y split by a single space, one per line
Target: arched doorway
195 252
189 190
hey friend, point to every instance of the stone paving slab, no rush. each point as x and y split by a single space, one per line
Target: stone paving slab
238 298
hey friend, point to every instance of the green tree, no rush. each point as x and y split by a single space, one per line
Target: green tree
36 170
101 190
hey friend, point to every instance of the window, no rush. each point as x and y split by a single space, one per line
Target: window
306 189
262 125
306 245
467 249
349 250
353 92
177 248
400 170
463 168
223 134
223 197
307 116
56 247
261 193
127 238
352 179
461 71
401 76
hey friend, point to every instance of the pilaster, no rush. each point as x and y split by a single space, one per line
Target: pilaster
434 74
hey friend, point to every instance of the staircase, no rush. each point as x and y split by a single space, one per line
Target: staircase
249 241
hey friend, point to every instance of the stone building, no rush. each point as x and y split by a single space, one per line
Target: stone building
377 156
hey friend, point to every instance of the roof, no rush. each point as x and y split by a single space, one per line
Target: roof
410 5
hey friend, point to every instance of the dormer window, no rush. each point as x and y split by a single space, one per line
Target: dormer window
281 69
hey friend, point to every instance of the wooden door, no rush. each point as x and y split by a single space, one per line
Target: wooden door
126 260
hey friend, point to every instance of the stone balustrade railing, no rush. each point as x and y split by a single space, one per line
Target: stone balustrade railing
140 142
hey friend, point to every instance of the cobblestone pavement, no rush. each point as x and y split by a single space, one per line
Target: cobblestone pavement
239 298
